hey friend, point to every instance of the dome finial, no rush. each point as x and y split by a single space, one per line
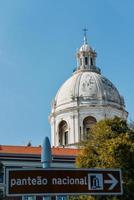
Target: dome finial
85 35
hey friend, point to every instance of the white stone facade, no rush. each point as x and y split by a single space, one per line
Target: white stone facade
86 97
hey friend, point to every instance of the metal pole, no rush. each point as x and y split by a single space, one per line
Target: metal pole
46 158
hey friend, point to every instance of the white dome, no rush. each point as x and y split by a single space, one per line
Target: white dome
89 87
83 99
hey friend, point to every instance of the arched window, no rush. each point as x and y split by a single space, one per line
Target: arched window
91 61
86 60
63 133
88 122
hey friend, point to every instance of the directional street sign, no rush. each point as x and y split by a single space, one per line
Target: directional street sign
63 182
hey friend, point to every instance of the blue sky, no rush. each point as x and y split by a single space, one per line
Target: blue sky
38 41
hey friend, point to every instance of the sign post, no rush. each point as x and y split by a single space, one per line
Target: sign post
46 157
62 182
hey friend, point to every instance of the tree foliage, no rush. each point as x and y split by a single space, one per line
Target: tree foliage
110 144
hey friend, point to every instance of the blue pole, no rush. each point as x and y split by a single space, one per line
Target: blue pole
46 158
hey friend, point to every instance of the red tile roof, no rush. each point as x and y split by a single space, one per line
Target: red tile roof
5 149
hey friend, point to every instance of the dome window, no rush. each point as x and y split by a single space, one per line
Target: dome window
91 60
63 133
86 60
88 122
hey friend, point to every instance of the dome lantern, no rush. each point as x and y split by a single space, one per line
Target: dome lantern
86 57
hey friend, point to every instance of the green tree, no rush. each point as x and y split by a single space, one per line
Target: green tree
110 144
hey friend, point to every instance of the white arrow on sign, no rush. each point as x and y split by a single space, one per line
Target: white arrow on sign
113 181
